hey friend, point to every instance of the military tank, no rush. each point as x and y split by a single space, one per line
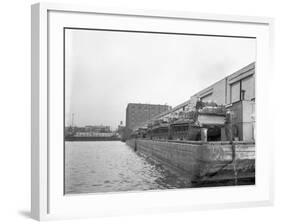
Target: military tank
188 125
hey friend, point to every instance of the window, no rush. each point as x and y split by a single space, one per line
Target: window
207 97
243 89
235 92
248 87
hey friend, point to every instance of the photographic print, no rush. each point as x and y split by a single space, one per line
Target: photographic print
155 111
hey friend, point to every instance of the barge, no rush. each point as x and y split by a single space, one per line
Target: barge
203 142
203 163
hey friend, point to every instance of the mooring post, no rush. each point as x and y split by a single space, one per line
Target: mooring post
204 134
234 163
135 145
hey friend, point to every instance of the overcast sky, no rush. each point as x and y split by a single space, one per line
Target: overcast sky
106 70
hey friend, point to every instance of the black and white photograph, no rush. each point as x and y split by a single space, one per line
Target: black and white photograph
157 111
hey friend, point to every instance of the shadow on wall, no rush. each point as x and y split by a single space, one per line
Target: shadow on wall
25 213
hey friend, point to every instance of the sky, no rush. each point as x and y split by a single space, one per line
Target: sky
106 70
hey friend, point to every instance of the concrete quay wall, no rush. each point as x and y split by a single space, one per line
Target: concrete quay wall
201 160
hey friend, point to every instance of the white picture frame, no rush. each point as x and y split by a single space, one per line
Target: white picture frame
47 199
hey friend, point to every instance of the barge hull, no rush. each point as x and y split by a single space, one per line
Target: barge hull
210 162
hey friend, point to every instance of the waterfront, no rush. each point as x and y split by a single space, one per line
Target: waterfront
188 124
92 167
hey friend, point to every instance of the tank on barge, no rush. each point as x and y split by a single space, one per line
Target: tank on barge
202 142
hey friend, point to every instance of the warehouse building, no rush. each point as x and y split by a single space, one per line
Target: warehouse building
236 92
233 88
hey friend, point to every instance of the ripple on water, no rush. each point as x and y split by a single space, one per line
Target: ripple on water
92 167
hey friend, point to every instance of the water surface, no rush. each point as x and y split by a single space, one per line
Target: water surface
112 166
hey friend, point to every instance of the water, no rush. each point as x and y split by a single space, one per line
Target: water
92 167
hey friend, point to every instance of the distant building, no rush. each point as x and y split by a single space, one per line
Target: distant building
97 128
120 128
137 113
